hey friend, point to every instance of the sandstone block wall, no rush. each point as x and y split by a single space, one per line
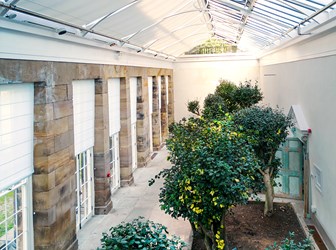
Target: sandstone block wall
54 182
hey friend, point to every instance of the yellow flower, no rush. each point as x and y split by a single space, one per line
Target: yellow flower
197 210
212 192
237 180
220 244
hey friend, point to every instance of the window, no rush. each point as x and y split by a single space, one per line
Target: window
84 173
318 178
114 123
16 165
114 162
84 107
15 215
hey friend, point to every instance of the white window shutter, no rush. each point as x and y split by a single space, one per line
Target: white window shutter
16 133
150 94
167 89
133 99
83 108
114 105
159 90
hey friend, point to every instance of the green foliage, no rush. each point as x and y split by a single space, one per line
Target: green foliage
268 129
6 204
214 107
247 95
290 244
238 97
226 89
140 234
194 107
213 46
228 98
212 171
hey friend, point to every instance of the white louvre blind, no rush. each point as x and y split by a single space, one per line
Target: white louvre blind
150 94
159 90
114 105
133 99
167 89
83 107
16 133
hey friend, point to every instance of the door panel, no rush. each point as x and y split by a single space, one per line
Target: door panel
84 190
115 163
290 175
134 147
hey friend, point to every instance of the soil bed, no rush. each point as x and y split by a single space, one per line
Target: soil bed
248 229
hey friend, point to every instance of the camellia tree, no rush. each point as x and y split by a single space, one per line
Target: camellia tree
238 97
267 129
212 171
228 98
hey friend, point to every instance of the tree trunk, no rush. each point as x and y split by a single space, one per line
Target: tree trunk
269 195
223 231
207 242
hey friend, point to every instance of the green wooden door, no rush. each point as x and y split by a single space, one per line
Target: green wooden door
290 175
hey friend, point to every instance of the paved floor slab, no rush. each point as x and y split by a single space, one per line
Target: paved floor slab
132 202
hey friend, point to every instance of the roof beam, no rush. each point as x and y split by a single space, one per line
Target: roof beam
99 20
172 14
182 39
147 46
4 11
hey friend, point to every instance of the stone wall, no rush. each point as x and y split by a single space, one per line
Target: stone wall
164 110
54 182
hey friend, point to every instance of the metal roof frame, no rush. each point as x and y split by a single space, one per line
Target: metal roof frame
140 26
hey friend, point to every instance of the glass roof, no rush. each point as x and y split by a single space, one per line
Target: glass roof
170 28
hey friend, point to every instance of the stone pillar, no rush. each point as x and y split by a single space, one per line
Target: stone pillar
142 123
171 100
164 110
54 179
103 202
156 116
126 173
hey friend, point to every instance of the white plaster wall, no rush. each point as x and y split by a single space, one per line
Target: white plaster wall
310 83
195 78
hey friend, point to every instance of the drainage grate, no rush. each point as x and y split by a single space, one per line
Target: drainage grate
153 155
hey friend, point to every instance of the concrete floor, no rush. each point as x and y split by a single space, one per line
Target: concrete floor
132 202
142 200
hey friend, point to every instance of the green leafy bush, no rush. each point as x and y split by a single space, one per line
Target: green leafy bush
212 171
267 129
194 107
247 95
214 107
290 244
226 90
140 234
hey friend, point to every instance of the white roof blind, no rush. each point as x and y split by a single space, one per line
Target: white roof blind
133 99
83 107
114 105
16 133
